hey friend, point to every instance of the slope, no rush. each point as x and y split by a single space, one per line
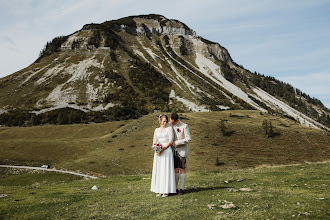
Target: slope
123 147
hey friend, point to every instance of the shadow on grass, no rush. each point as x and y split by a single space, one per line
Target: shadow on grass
275 134
201 189
228 133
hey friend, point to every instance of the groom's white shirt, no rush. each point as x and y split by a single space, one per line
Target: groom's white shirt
182 138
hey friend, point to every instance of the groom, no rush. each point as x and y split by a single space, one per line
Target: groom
181 139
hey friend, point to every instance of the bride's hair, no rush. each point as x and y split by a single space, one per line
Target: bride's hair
162 116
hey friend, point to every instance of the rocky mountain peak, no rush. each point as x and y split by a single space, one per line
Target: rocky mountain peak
157 24
151 24
134 65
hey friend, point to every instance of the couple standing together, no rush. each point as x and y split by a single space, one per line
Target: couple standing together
169 164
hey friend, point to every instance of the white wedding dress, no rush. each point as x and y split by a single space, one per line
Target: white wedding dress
163 175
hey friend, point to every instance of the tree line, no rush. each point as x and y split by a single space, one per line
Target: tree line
295 97
24 118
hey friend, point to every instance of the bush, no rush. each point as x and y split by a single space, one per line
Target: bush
218 163
224 130
95 39
183 49
269 129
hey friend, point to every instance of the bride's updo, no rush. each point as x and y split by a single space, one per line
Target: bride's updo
161 116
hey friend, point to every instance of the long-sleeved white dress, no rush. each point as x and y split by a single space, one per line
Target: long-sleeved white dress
163 175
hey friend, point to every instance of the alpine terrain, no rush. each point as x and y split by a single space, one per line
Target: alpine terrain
135 65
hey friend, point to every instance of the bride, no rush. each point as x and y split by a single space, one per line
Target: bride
163 176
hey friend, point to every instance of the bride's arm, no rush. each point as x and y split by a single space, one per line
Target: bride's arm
155 139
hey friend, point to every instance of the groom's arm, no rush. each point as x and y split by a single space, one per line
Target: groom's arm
186 139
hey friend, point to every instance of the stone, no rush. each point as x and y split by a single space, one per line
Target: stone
245 189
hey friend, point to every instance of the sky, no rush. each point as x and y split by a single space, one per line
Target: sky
286 39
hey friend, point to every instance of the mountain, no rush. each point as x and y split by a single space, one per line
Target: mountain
135 65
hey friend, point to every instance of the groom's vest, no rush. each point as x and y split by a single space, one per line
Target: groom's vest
182 138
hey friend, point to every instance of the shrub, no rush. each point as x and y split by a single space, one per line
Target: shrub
218 163
224 130
95 39
268 128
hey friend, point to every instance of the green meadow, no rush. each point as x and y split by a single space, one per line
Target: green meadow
278 192
235 170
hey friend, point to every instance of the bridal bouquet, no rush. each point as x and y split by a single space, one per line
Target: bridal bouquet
157 147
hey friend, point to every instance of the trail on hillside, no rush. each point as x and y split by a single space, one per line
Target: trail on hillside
44 169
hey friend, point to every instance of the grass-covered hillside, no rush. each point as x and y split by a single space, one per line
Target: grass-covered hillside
220 140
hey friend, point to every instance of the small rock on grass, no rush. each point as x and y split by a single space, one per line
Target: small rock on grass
223 204
211 206
245 189
226 204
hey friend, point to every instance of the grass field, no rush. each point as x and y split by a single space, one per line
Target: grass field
123 147
278 192
259 177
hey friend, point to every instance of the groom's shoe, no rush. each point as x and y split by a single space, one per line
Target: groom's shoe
181 192
177 191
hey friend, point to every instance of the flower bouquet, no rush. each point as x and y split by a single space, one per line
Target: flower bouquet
157 147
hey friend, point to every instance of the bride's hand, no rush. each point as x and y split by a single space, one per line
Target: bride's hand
160 152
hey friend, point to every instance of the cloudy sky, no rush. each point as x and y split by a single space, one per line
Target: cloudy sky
287 39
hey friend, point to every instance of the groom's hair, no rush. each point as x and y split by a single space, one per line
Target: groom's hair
174 116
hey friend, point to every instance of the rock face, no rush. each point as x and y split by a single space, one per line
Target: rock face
140 62
161 25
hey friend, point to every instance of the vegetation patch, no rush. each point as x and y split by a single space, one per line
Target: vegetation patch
153 84
52 47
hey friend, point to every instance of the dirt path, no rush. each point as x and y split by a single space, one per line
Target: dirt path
44 169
